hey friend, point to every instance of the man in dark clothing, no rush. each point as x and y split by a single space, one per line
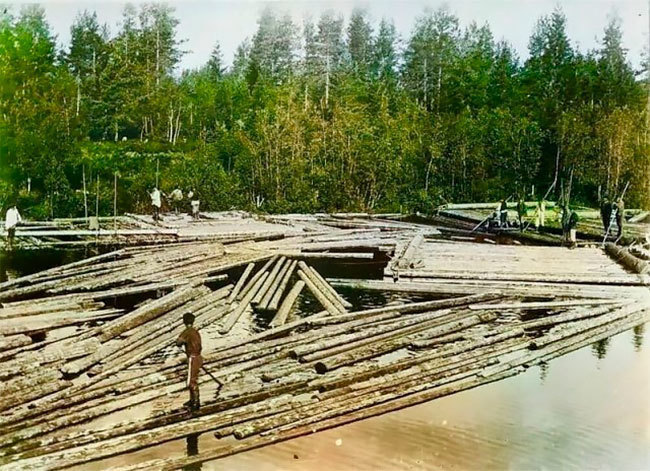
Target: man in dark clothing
620 216
191 339
521 212
605 212
503 209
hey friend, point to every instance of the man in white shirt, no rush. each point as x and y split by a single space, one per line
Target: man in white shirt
195 209
177 198
155 202
12 219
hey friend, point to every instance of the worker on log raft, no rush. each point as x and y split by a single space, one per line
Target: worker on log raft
155 203
177 198
503 213
191 339
12 218
569 225
620 217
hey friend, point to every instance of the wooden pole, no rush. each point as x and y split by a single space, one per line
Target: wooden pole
115 202
97 198
83 176
281 317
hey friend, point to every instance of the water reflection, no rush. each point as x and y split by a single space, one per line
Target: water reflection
193 450
543 371
637 338
600 348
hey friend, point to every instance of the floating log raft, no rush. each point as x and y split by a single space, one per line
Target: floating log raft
485 312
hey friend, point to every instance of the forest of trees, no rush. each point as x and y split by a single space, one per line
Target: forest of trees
329 114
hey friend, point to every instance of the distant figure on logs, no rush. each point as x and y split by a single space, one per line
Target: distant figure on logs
12 219
176 197
191 339
503 213
155 203
569 225
620 217
194 205
605 212
521 212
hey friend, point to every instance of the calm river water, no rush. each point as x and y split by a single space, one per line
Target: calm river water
587 410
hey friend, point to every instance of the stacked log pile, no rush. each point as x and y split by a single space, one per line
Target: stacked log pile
74 232
89 374
589 225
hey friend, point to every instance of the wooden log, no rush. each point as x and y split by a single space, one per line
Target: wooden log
43 323
387 343
240 283
325 287
280 318
570 316
640 217
640 252
256 277
13 341
236 313
277 295
562 332
396 327
318 294
328 255
620 280
158 332
466 287
604 326
133 290
71 306
271 283
333 299
98 233
542 305
114 349
428 343
363 331
625 258
33 361
32 393
34 276
454 353
213 278
147 312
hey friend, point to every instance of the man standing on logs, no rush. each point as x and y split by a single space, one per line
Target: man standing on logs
12 219
155 202
191 339
620 217
177 198
503 214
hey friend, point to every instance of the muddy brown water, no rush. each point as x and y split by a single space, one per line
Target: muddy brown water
589 409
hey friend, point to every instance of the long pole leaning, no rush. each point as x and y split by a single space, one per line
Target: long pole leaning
83 176
609 226
115 203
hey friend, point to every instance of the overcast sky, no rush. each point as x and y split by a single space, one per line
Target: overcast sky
204 22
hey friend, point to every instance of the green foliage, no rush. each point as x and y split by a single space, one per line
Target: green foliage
332 117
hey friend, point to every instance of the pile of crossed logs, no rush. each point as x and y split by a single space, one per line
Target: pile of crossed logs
297 375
